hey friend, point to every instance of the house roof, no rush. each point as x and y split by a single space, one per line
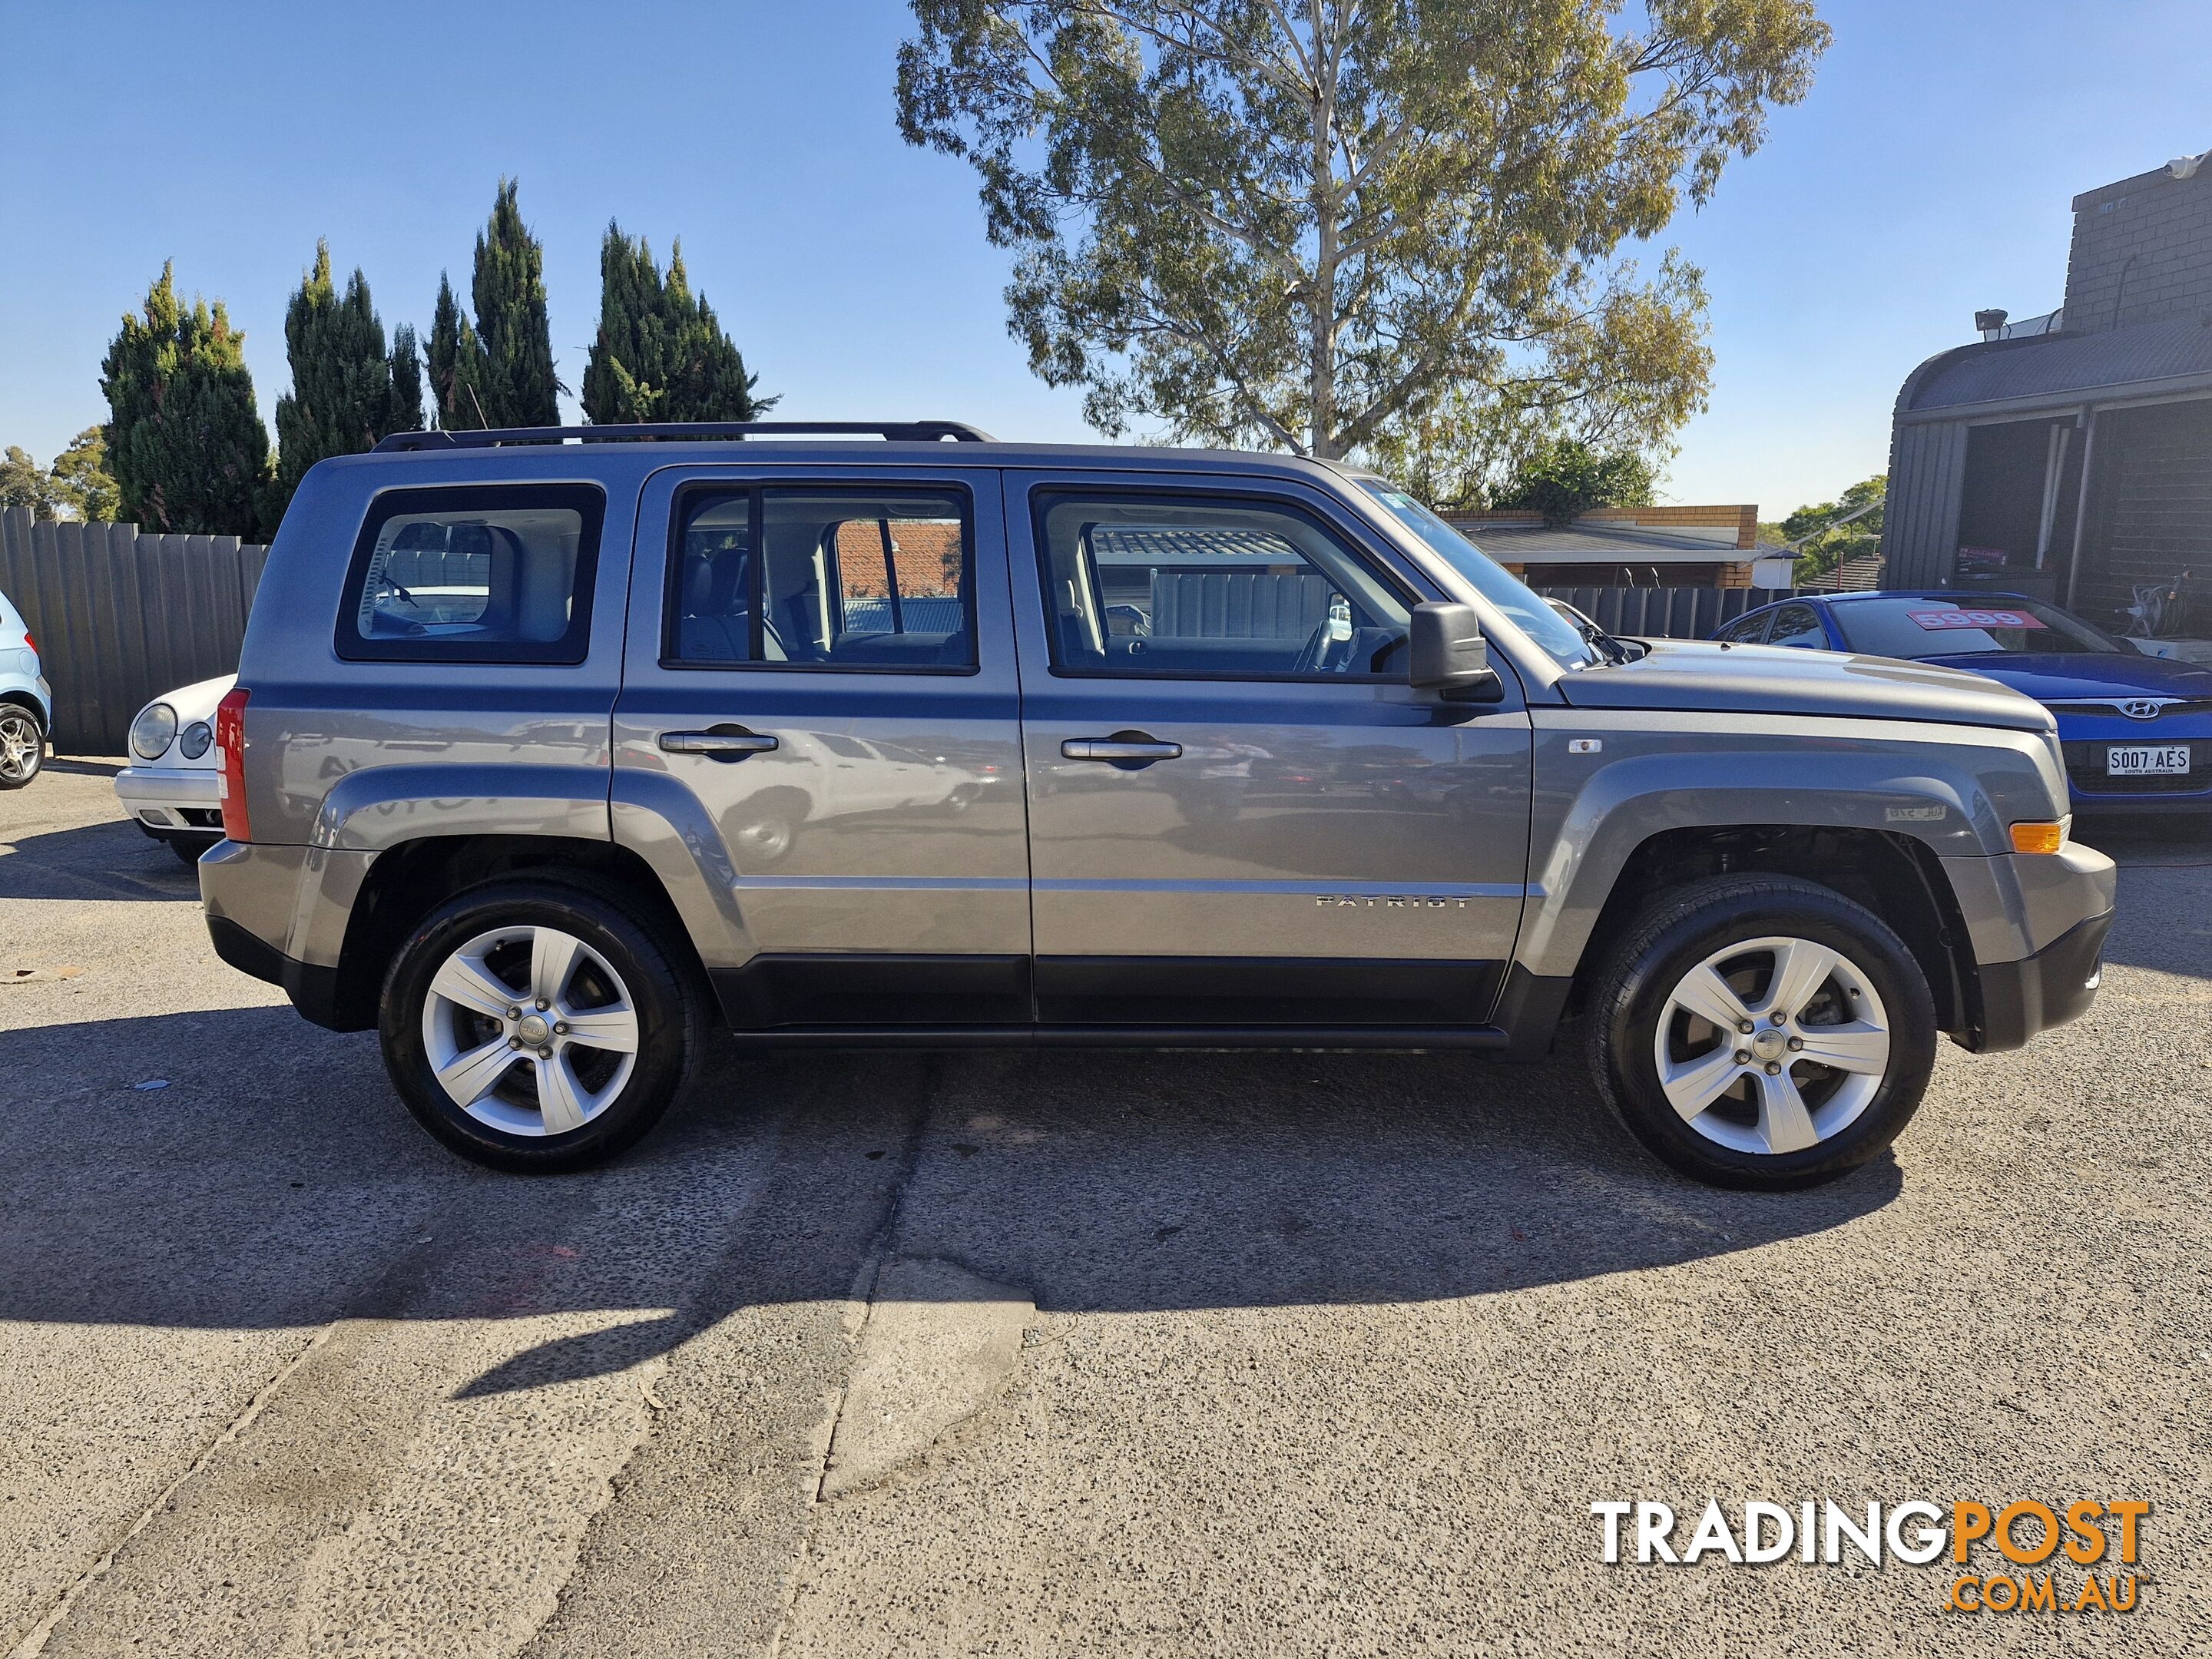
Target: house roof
2172 353
1586 543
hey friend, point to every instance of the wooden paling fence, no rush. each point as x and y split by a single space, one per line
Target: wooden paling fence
121 615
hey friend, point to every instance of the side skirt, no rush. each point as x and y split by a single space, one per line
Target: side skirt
1408 1038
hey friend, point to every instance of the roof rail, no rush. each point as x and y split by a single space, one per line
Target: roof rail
681 431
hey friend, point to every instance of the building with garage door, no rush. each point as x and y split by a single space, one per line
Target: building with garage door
2069 457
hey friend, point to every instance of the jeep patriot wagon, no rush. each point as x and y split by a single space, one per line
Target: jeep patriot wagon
552 748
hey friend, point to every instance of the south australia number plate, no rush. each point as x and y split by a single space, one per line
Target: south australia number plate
2139 760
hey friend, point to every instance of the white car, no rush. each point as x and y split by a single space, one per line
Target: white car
26 701
170 788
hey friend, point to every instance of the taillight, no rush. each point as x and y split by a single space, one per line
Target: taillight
30 644
230 762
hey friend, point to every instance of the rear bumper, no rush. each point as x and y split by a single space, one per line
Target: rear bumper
2054 985
314 990
249 891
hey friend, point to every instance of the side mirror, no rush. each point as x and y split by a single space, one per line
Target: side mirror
1450 655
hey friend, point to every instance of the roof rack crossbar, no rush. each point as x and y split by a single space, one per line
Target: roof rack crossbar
682 431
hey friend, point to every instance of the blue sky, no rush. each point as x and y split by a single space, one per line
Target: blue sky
1928 174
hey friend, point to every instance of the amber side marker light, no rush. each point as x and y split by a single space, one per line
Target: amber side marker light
2041 837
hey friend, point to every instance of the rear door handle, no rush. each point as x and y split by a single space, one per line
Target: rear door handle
730 745
1118 749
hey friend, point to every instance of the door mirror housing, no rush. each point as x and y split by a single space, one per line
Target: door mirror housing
1450 655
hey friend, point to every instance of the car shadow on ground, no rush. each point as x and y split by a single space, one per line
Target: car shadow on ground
115 860
237 1169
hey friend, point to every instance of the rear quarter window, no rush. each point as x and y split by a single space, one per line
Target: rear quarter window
474 573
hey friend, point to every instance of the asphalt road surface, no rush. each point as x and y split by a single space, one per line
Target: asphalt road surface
1065 1353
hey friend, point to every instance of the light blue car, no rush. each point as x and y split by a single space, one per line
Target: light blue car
26 701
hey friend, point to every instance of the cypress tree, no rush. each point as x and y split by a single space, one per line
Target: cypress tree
457 365
660 353
184 442
406 367
518 386
619 379
341 401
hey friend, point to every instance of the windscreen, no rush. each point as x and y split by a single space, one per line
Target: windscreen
1557 635
1913 629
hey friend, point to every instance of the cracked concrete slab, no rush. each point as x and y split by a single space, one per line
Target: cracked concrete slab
939 1344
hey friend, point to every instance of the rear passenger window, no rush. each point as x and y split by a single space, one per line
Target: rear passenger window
1183 588
879 581
1798 625
490 575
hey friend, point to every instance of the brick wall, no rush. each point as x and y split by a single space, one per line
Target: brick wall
927 550
2143 251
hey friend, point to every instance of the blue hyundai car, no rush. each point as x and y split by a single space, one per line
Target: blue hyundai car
2136 730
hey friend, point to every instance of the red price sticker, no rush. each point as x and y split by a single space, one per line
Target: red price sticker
1934 621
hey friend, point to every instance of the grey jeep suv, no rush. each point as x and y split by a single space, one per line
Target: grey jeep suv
552 748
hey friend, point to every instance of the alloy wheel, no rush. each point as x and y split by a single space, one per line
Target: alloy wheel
1772 1046
21 746
529 1030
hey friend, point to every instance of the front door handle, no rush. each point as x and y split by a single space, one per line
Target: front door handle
1123 746
728 743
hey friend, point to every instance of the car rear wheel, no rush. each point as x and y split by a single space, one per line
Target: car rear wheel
531 1025
1762 1031
22 746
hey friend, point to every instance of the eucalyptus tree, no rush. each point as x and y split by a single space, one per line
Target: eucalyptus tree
1342 227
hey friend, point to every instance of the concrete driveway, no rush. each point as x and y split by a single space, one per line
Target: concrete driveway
1042 1354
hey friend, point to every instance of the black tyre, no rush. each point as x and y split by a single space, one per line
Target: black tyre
538 1026
1761 1031
189 848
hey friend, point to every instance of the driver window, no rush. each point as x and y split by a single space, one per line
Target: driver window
1186 587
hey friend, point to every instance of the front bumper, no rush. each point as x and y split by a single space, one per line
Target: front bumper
171 799
2095 793
2056 984
2088 807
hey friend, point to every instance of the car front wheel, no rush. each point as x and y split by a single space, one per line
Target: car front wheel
1762 1031
531 1025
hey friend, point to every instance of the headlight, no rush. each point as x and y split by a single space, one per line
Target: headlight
195 741
152 732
